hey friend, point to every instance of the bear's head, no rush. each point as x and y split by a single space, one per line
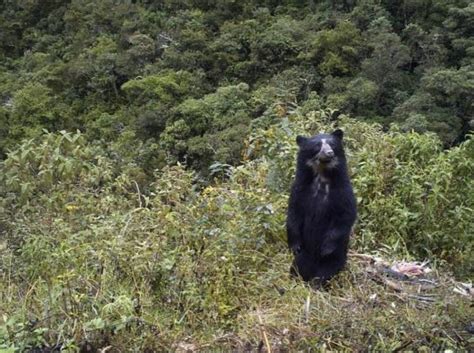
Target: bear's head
322 152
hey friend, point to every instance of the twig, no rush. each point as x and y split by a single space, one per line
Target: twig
139 194
458 336
379 279
393 285
402 346
264 333
422 298
402 297
306 309
424 280
365 257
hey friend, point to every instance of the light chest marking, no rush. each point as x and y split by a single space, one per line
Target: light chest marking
320 186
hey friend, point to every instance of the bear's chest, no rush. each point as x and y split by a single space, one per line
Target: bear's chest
320 201
319 191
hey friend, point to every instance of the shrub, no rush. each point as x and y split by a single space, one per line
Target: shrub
93 255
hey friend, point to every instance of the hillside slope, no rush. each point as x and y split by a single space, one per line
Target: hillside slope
93 256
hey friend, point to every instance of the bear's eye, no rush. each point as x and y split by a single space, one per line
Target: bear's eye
316 148
334 145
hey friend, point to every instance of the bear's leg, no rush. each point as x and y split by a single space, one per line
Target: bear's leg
303 265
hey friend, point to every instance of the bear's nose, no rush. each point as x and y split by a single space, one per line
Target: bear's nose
329 154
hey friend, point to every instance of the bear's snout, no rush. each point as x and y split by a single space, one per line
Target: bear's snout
326 156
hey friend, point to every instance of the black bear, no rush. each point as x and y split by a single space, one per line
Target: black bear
322 208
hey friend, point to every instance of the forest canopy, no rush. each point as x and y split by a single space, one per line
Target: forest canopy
183 79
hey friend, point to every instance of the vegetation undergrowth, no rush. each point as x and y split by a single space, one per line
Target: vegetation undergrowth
95 255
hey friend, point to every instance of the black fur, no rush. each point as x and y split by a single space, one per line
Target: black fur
322 208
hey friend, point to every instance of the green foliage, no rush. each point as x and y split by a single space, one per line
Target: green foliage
92 255
105 238
282 39
87 66
358 96
439 118
337 51
459 24
166 87
210 129
383 66
32 110
39 169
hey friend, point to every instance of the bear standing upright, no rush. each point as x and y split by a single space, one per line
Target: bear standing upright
322 208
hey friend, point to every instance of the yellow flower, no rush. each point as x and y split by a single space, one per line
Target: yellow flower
71 208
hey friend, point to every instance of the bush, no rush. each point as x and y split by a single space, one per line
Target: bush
93 255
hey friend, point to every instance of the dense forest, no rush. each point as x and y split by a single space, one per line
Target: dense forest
182 80
147 150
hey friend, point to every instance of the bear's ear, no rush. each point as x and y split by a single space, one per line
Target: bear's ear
300 140
338 133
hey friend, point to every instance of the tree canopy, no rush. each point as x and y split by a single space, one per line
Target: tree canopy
168 73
